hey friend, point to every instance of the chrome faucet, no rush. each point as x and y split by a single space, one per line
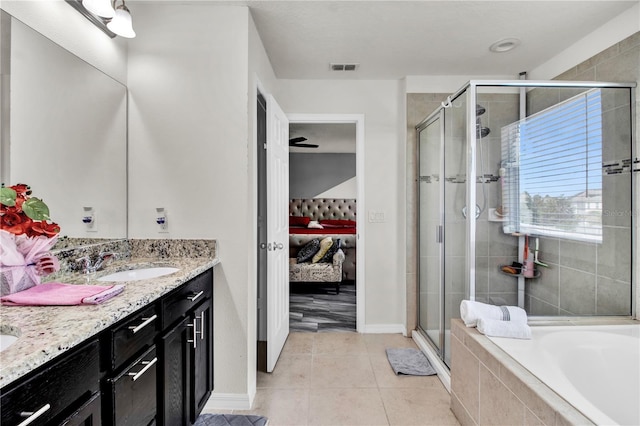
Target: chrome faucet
103 259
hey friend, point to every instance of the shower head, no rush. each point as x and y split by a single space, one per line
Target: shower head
479 110
482 131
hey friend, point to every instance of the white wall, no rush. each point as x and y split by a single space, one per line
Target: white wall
347 189
384 177
60 22
188 139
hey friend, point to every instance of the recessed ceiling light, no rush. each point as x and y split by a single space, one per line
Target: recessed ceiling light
504 45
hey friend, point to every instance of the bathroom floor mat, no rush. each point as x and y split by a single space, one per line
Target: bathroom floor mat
230 420
409 361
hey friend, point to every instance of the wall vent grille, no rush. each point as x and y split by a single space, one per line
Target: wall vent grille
344 67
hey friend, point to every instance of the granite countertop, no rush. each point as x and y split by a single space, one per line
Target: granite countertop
47 331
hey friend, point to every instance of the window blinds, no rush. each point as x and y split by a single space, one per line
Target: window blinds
553 171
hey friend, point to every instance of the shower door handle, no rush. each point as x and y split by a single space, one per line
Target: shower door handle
439 234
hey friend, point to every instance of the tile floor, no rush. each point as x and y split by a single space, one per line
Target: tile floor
345 379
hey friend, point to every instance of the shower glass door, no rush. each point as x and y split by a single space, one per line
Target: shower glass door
430 298
442 192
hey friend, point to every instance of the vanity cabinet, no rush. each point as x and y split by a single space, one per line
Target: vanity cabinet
202 359
64 391
186 351
129 358
131 395
153 367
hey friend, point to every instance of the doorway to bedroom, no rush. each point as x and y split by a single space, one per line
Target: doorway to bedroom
323 193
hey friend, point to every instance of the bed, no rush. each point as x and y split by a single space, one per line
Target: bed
336 216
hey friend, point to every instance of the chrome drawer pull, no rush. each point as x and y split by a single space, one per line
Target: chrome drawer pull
202 325
147 321
32 416
147 365
195 296
195 334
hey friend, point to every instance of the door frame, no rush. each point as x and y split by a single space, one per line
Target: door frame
358 120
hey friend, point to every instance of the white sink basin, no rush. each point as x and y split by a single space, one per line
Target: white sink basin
139 274
6 340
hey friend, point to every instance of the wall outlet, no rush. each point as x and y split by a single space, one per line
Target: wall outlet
89 219
161 220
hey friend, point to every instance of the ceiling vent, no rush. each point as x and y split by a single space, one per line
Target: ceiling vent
344 67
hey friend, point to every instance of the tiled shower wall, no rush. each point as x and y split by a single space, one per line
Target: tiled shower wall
587 278
494 247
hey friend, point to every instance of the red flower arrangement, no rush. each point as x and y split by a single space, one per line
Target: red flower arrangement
26 236
22 214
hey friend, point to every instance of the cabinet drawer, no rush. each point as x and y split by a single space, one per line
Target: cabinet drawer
130 338
177 303
131 396
88 414
68 382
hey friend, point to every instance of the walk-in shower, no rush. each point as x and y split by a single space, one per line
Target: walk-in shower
551 165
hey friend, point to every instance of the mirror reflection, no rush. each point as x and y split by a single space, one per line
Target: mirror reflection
67 135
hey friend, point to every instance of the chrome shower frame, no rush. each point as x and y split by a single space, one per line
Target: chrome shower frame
470 91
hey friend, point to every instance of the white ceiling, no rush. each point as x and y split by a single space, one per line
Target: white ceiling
393 39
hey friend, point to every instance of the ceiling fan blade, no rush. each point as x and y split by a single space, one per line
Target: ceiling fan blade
297 140
304 145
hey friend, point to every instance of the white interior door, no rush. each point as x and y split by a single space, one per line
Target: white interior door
277 231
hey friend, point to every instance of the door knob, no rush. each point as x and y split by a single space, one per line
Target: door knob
278 246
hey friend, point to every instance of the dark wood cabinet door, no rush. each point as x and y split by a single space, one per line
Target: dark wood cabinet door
202 359
87 415
132 395
174 377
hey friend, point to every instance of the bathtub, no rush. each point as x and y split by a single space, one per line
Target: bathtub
594 368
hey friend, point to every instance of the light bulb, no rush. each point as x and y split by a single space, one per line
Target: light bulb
121 24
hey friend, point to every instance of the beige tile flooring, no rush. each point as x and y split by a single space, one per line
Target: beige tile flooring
345 379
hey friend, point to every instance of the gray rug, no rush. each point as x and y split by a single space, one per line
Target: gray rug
230 420
409 361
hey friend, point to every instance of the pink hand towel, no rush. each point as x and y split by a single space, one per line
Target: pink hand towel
50 294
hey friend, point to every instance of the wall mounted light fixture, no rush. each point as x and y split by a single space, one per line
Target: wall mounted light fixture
111 16
121 23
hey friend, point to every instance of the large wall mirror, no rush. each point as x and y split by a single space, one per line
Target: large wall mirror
64 133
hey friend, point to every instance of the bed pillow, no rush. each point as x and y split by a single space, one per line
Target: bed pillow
325 245
338 223
328 256
299 220
308 250
314 225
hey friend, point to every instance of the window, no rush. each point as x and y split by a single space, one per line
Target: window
553 171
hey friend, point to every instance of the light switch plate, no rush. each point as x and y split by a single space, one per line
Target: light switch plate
377 216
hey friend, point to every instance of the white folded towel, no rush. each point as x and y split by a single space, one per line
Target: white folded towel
471 311
499 328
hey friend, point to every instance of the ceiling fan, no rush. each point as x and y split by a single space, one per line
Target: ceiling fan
297 142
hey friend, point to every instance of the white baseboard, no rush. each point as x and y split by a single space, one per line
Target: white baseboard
384 329
443 372
229 401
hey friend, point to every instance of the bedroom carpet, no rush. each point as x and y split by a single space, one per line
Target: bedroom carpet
316 308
